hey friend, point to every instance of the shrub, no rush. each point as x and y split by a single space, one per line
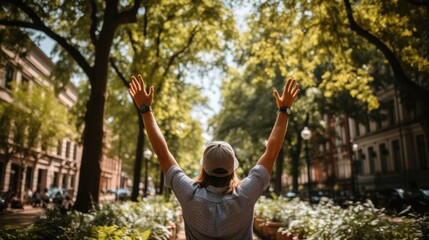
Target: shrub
329 221
147 219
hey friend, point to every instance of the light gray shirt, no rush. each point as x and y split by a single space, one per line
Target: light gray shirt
209 213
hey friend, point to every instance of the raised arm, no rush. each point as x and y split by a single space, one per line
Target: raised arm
143 100
278 132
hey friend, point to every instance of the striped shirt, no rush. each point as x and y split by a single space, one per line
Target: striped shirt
209 213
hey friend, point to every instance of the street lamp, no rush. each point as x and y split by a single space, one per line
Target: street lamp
147 155
306 134
355 181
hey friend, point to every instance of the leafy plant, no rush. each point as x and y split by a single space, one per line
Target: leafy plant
329 221
147 219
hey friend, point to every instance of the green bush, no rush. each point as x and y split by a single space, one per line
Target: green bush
147 219
329 221
114 232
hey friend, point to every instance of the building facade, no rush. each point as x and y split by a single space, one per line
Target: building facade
55 167
384 152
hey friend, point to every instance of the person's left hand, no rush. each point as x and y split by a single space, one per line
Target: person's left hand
138 92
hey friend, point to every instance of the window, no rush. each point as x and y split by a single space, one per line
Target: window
75 151
28 178
371 159
396 155
8 76
64 183
383 156
60 147
421 151
72 181
56 179
68 149
357 130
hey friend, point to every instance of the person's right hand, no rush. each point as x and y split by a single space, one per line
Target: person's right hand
290 92
138 92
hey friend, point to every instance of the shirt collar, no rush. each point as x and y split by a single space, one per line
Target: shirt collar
217 189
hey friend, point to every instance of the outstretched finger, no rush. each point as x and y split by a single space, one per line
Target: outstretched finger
287 85
292 84
296 93
132 93
133 83
141 82
276 94
151 92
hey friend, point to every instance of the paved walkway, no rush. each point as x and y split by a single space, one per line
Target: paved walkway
20 217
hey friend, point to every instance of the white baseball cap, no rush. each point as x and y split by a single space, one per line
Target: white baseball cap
219 159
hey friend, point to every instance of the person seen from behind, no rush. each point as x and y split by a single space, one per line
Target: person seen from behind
217 204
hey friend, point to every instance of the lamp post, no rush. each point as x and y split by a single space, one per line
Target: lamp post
355 181
147 155
306 134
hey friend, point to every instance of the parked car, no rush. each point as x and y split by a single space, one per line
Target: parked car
392 199
316 195
343 197
289 195
53 192
122 194
418 199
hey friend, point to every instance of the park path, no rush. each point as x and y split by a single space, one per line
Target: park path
20 217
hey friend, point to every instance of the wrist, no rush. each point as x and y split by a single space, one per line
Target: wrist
285 110
145 108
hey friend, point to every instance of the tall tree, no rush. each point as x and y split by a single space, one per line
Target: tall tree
407 52
171 42
88 39
25 128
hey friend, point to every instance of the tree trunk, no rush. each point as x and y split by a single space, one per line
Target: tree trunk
21 181
90 170
279 173
138 161
295 163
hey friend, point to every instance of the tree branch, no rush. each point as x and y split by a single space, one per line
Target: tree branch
176 54
401 78
130 15
39 25
133 42
94 22
119 73
21 24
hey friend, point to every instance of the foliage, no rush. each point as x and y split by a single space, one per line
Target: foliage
166 39
120 220
9 232
171 42
36 117
328 221
113 232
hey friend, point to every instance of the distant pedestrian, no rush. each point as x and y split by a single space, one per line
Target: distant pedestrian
28 196
217 205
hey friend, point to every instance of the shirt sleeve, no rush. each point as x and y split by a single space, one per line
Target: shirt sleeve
256 182
182 186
